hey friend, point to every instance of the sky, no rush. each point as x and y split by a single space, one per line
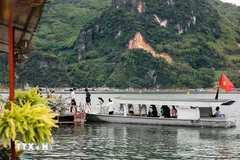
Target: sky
237 2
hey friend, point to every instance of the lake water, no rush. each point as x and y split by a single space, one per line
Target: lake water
125 141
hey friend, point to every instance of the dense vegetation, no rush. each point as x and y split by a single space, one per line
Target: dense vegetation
3 70
78 44
197 52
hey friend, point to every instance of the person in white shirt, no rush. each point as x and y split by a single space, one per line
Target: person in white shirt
110 107
73 100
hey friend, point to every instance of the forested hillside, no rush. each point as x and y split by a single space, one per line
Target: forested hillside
134 43
57 32
232 15
193 38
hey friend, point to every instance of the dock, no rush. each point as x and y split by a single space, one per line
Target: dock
70 118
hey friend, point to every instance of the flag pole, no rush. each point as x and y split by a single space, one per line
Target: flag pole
216 97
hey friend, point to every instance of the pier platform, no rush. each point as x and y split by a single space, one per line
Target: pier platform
70 118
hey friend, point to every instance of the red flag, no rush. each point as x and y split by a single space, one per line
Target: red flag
225 83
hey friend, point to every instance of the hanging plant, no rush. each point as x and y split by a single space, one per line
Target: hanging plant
30 123
29 119
31 96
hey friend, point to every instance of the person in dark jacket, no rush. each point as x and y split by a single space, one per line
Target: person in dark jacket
88 100
166 111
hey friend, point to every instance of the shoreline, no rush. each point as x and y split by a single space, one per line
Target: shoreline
168 91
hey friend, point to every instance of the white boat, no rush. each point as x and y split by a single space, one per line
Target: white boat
190 112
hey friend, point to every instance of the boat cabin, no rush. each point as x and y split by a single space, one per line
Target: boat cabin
187 109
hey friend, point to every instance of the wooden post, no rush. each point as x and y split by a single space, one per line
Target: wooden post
11 71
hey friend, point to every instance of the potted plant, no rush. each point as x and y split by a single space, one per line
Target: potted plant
29 119
58 105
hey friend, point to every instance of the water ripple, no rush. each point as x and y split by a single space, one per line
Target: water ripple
111 141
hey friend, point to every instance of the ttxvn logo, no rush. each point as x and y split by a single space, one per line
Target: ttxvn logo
32 146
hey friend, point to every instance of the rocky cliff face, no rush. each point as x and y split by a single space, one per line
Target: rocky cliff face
132 5
85 39
139 42
136 8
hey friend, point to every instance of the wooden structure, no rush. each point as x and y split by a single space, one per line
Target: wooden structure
18 22
25 16
70 118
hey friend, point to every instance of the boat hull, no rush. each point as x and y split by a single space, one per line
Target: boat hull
203 122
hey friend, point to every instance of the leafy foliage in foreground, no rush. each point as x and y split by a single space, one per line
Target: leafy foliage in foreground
30 96
30 122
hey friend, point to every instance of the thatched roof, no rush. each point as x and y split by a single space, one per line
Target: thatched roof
25 15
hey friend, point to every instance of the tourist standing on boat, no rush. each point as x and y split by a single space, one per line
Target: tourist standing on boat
88 100
73 100
217 113
174 112
110 107
101 106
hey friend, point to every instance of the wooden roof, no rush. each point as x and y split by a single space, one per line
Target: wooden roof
25 15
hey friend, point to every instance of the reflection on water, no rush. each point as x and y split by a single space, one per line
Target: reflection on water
121 141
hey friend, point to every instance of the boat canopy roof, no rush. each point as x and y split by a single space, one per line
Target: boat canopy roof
177 102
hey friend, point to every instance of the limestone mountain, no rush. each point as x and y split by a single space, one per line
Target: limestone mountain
158 43
135 43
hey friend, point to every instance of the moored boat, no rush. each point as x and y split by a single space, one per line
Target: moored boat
190 112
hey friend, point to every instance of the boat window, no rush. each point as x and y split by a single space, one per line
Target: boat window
205 111
121 109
